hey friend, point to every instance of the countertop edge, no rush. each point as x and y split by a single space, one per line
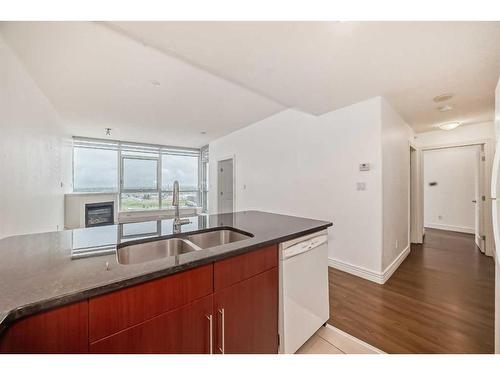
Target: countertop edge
12 316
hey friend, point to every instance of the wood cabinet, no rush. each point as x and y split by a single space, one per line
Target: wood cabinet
61 330
115 311
232 270
229 306
247 316
182 331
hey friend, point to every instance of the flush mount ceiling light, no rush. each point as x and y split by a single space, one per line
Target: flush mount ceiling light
445 108
442 97
449 125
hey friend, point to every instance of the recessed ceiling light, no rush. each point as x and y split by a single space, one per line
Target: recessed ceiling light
155 83
449 125
445 108
443 97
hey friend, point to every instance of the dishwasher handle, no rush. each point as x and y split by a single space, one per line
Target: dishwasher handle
303 247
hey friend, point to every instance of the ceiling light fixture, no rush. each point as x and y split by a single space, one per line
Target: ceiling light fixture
445 108
449 125
442 97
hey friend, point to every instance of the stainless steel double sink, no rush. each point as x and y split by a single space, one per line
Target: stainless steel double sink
153 250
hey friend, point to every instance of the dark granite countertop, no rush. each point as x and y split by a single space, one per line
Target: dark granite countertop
42 271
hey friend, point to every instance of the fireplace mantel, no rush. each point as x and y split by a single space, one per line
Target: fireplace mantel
74 207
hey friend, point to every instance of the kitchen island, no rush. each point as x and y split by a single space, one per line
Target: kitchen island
77 277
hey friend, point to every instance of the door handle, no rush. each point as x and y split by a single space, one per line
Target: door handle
211 333
222 348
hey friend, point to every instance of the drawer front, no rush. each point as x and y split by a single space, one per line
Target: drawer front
119 310
233 270
182 331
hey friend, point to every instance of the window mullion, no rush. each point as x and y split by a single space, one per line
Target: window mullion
159 178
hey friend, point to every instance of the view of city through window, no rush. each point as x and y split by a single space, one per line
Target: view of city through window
97 167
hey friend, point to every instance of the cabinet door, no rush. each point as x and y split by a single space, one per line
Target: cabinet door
182 331
247 315
63 330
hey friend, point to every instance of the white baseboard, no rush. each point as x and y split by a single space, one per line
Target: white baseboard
365 273
355 339
377 277
386 275
453 228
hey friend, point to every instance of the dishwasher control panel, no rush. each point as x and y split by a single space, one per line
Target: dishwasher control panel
303 246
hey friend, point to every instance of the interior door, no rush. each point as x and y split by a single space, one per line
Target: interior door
225 185
478 199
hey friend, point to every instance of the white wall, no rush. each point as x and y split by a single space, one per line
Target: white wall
497 256
497 110
35 155
298 164
448 205
396 135
465 133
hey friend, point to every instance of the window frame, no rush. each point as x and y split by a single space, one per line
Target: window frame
125 150
203 177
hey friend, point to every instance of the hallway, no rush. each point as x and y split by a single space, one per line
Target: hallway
440 300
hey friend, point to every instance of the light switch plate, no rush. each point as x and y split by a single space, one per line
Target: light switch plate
360 186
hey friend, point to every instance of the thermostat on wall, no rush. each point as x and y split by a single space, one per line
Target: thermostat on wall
364 167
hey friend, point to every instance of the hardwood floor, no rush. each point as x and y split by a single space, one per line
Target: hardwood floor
440 300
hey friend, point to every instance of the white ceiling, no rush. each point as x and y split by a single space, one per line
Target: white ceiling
321 66
97 78
221 76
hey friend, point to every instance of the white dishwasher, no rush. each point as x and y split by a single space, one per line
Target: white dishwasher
303 294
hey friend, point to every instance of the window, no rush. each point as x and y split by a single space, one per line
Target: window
183 168
139 174
204 178
143 175
139 201
95 167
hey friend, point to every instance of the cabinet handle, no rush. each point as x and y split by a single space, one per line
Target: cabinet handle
211 333
222 347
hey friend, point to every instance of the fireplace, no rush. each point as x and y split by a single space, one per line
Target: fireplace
97 214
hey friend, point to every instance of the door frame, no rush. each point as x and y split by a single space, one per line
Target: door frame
488 147
416 194
218 160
